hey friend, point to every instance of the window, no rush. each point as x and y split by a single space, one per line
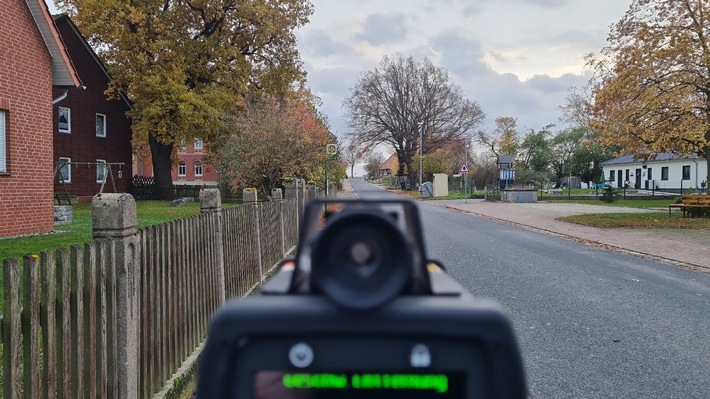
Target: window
198 145
182 169
100 170
64 120
664 173
686 172
198 169
650 174
3 141
65 169
100 125
611 175
181 145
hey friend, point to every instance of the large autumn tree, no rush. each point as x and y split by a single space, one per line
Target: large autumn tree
185 64
652 87
403 99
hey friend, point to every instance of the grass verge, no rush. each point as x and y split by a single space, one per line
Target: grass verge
651 220
630 203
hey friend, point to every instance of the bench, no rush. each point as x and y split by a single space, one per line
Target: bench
690 202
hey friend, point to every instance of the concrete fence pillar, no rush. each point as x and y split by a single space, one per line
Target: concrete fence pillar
113 216
211 203
277 196
297 190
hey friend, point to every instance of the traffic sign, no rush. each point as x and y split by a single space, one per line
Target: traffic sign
332 151
464 168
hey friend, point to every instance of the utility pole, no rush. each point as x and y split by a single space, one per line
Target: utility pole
421 152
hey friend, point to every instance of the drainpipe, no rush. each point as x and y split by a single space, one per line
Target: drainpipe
696 174
64 95
60 98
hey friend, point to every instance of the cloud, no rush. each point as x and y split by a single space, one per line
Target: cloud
460 55
515 58
320 43
547 3
381 29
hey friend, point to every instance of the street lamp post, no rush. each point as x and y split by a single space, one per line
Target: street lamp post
421 149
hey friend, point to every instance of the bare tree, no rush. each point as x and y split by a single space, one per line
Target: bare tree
577 109
351 154
372 165
403 99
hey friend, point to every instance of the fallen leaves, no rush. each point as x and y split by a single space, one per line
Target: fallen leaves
651 220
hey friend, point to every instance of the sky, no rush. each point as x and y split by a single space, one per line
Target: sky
516 58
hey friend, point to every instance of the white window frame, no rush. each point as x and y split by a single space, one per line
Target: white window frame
3 141
68 114
685 172
200 166
101 164
68 169
182 165
199 145
102 126
664 173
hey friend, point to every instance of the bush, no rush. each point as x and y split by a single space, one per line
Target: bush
609 195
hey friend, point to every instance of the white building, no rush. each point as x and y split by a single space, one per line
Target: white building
666 172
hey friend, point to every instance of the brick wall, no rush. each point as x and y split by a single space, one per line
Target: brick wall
189 155
26 202
82 144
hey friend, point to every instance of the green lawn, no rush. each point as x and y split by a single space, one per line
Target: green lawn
631 203
79 231
651 220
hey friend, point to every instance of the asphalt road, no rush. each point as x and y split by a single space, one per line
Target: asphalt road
591 323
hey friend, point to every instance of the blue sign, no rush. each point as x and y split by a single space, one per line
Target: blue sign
507 174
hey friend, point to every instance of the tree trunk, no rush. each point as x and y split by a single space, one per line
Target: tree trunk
162 167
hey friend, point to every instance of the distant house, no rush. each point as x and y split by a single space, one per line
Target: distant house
92 134
389 167
666 171
34 60
192 167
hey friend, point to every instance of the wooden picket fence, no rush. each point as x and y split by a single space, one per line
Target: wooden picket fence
58 324
59 329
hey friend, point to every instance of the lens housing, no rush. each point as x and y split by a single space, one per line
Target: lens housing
361 260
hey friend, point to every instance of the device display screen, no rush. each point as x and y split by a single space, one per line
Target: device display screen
351 385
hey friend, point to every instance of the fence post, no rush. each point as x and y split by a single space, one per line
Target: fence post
211 203
113 216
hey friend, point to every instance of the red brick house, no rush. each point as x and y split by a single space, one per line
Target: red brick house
192 167
389 167
90 131
34 60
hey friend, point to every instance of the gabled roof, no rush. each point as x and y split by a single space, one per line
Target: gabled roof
662 156
63 72
389 163
505 159
63 18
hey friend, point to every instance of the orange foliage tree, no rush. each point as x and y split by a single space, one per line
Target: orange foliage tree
272 141
652 83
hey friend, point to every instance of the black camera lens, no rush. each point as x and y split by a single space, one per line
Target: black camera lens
361 260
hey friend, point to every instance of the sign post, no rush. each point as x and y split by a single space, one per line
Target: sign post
331 151
464 171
